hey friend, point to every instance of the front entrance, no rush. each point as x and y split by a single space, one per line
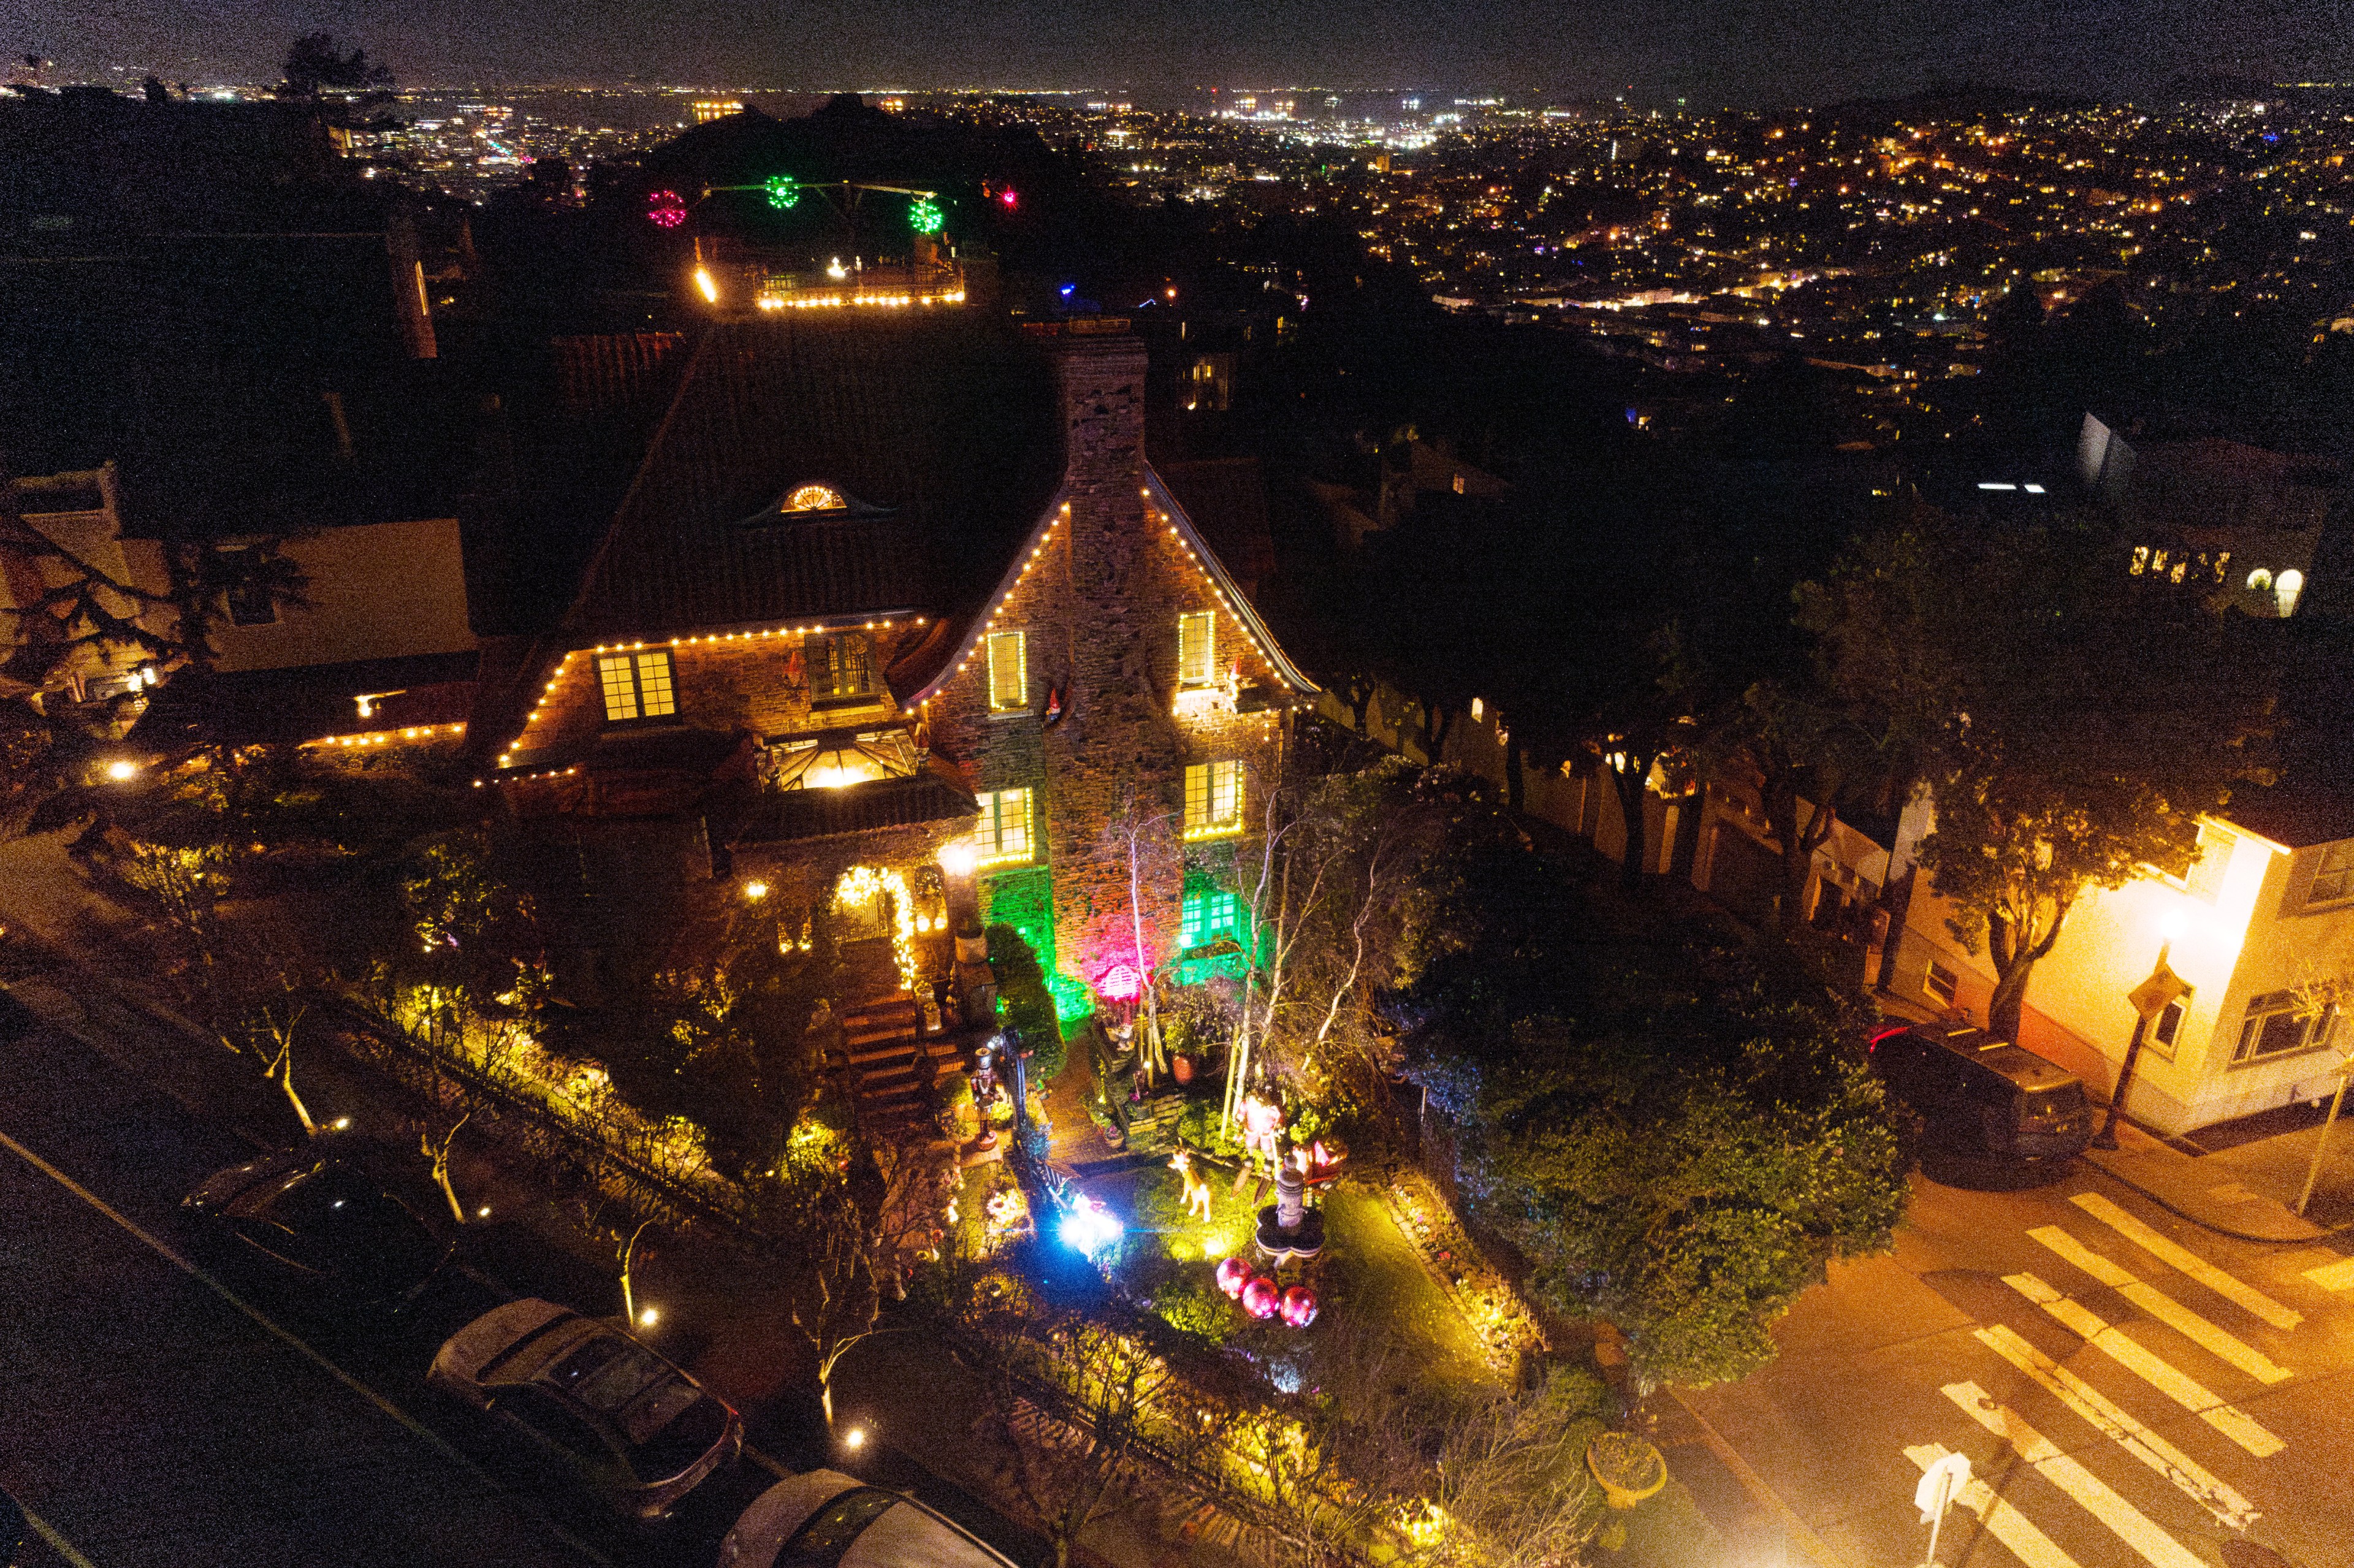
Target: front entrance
874 922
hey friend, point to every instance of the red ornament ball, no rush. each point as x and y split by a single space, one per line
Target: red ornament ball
1233 1275
1299 1306
1259 1297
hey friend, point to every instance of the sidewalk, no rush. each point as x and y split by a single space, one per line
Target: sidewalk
2248 1192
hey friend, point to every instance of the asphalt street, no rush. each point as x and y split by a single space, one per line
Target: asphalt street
152 1412
2129 1388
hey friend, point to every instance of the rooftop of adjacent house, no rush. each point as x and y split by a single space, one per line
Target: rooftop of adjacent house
309 702
2294 813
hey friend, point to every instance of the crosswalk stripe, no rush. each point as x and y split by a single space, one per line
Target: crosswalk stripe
2162 1306
2195 1480
2004 1522
2128 1523
2338 1276
2187 1262
2178 1386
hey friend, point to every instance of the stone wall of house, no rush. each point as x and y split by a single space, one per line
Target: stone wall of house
1099 600
757 681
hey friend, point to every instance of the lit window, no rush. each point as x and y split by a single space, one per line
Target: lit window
636 685
841 667
813 498
1004 832
2279 1023
1214 797
1197 648
1009 671
1208 916
2333 878
1940 984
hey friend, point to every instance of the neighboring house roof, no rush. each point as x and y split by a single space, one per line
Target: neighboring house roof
2292 814
942 423
1226 499
309 702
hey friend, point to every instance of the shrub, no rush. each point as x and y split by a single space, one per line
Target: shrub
1026 1003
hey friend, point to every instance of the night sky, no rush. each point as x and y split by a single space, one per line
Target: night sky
1715 51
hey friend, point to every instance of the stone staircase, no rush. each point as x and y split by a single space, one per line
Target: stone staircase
890 1064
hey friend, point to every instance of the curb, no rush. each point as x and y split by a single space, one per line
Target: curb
2209 1225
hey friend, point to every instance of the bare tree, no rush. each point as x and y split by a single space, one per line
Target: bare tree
1066 1399
266 1036
836 1297
436 1151
1141 837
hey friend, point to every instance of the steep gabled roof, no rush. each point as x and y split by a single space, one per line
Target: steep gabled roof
940 422
1221 582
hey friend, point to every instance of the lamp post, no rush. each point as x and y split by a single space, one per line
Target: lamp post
2149 999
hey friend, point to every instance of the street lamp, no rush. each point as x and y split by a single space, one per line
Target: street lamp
2149 999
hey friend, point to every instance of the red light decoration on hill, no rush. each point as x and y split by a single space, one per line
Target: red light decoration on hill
1261 1297
1010 197
666 209
1298 1306
1233 1275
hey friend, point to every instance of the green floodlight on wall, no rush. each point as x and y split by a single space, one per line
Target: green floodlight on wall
783 191
924 216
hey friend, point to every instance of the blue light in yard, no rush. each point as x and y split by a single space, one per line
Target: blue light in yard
1069 289
1089 1227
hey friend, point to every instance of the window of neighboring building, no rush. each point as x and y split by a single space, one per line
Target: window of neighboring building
1214 797
1009 671
1209 383
636 685
2278 1024
2333 878
841 667
1005 828
1197 648
2166 1032
1940 984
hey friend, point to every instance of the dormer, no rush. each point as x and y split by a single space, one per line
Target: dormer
813 501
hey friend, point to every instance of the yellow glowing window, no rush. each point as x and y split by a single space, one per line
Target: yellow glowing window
1005 825
636 685
1213 797
1197 648
1009 671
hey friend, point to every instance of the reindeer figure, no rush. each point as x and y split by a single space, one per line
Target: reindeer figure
1197 1190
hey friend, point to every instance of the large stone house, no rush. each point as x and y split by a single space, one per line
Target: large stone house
893 618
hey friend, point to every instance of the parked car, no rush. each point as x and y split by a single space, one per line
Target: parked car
313 1216
1982 1095
636 1429
826 1516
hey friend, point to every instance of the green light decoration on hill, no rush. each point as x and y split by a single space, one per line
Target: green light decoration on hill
924 216
783 191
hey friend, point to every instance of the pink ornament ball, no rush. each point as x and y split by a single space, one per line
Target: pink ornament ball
1299 1306
1233 1275
1259 1297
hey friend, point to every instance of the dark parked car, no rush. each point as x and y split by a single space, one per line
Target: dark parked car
637 1429
1981 1095
313 1216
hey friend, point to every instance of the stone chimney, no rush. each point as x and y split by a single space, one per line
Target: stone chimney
1099 375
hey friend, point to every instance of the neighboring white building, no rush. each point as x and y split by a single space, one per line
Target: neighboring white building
2268 905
